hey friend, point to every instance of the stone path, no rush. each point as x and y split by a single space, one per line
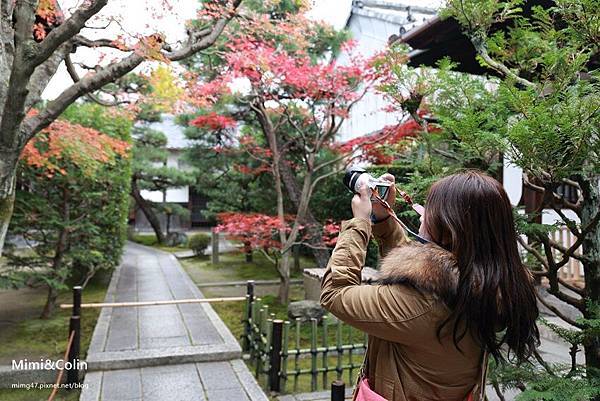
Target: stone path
177 352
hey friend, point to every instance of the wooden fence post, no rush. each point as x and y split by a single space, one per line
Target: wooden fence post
215 247
249 317
75 326
338 390
275 356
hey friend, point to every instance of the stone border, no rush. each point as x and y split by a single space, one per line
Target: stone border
254 391
166 356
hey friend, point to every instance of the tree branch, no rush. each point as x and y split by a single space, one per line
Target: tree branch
75 77
557 312
200 40
553 278
87 84
80 40
563 249
20 74
569 252
534 252
478 41
109 73
67 30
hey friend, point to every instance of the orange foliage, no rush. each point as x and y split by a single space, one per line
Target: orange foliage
47 16
64 143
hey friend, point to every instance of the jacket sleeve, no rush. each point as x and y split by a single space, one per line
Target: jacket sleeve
380 310
389 235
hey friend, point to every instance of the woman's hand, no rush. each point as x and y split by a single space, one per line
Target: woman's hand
378 211
361 204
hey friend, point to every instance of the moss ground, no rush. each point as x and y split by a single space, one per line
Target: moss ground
233 267
24 335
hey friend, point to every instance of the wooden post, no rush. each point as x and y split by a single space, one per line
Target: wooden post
75 326
215 247
338 390
248 322
275 356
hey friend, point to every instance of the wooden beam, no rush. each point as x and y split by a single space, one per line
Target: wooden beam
151 303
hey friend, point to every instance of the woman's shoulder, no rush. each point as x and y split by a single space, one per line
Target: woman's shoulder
428 268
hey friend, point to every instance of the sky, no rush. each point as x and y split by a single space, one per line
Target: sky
149 16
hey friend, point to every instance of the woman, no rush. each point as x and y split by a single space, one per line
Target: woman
437 306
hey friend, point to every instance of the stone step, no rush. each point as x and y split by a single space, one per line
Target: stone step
163 356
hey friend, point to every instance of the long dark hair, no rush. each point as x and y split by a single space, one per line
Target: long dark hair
469 214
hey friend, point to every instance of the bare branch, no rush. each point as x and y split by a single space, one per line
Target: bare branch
563 249
569 223
553 278
584 231
87 84
67 30
81 40
529 185
44 73
556 311
75 77
534 252
202 39
577 290
498 391
105 75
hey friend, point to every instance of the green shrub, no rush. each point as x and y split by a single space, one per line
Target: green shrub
199 242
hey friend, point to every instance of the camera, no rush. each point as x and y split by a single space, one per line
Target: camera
356 177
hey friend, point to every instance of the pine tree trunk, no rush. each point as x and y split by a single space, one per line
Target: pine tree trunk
591 249
248 252
50 303
148 211
8 166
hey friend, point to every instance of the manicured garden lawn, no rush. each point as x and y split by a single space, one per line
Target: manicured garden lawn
34 338
38 395
150 240
233 267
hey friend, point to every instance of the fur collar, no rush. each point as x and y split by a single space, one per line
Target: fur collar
428 268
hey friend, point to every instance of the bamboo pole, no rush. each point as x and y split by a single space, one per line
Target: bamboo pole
150 303
284 361
325 352
340 350
297 356
313 354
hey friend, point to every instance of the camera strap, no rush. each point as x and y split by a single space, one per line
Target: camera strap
391 212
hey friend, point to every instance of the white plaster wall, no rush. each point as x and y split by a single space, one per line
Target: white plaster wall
371 27
174 195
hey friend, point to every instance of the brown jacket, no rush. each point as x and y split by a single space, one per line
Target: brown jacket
405 360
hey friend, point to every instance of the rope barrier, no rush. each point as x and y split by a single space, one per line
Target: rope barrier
151 303
60 372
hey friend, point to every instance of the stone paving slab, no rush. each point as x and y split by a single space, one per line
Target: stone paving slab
133 337
207 381
167 352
